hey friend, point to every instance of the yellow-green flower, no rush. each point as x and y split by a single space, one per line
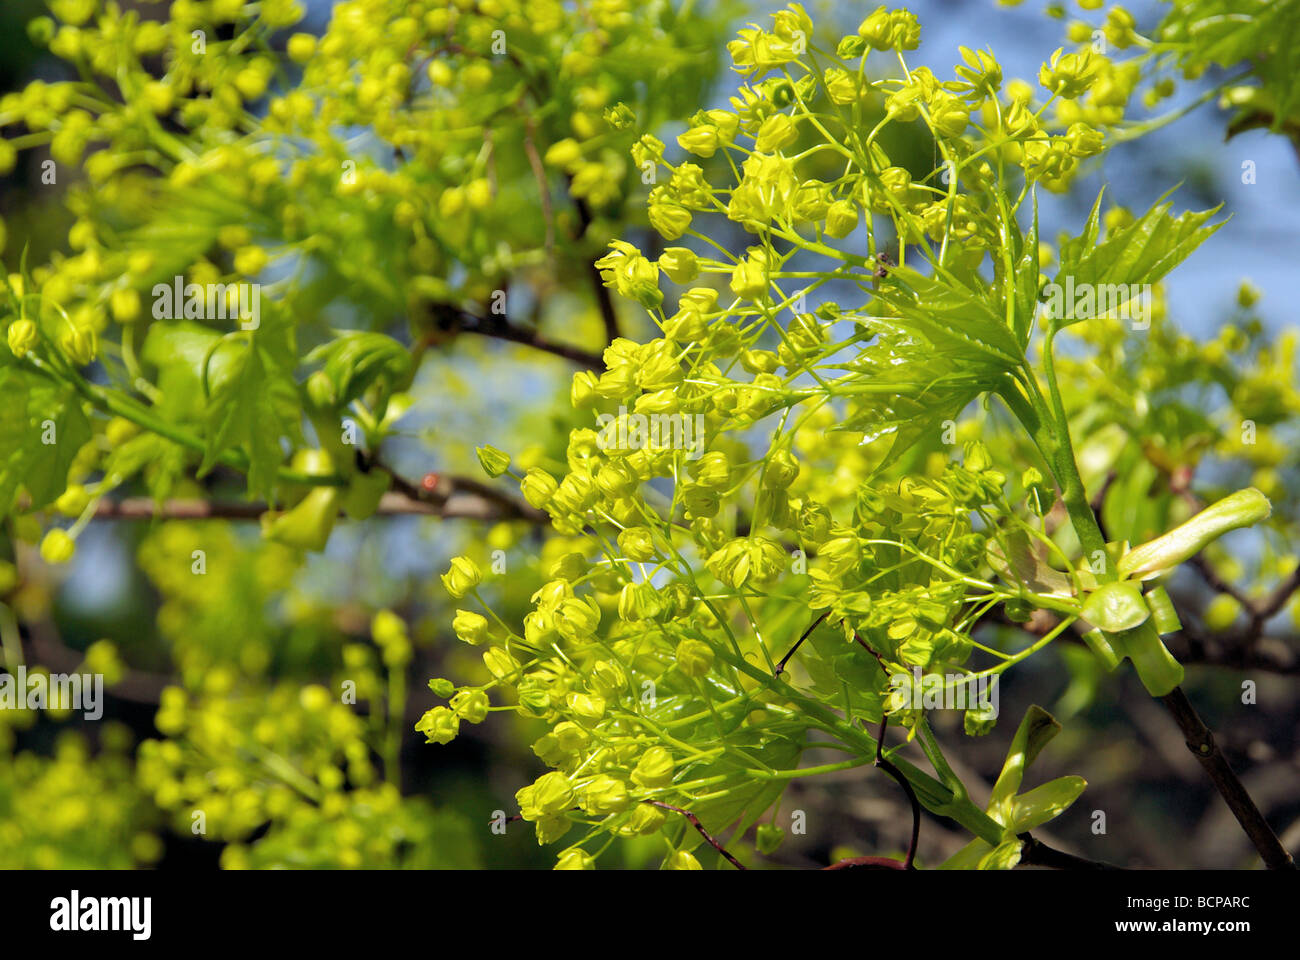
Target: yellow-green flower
57 547
461 577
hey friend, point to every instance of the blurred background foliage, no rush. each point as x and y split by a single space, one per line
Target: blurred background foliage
220 687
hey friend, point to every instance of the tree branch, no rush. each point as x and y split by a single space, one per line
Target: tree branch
603 298
1200 740
1035 853
451 498
451 319
695 822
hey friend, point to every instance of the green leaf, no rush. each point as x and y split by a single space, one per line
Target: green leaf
950 316
1116 606
1027 565
1004 856
42 427
1141 253
1036 729
241 413
1026 282
178 350
752 794
355 361
938 345
1043 803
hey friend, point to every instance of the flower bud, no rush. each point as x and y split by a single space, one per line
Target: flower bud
387 628
608 678
549 795
841 219
777 131
896 181
587 707
471 705
80 345
681 860
670 219
301 47
645 820
781 470
470 627
877 30
538 487
461 577
655 769
574 495
570 737
499 662
577 619
569 567
604 795
703 141
712 470
1084 140
694 657
639 601
841 86
57 547
439 725
442 687
749 279
22 337
583 393
550 829
680 263
566 154
539 627
575 859
125 304
72 501
637 543
493 461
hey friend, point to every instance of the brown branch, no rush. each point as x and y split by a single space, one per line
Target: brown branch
780 667
453 320
1238 651
455 496
602 294
897 774
539 173
1215 581
695 822
1035 853
449 497
1266 609
1200 740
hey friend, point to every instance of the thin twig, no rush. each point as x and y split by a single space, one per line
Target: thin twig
695 822
459 506
603 297
497 326
1200 740
1035 853
780 667
897 774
